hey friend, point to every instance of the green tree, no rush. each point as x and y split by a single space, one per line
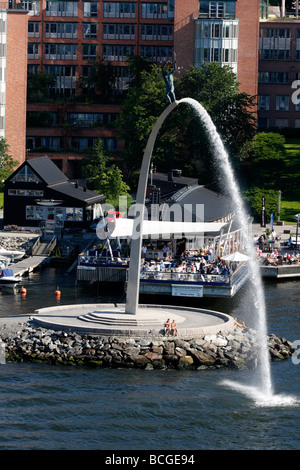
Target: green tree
39 87
210 85
182 141
253 198
100 83
137 65
102 175
111 184
95 164
232 112
7 163
265 163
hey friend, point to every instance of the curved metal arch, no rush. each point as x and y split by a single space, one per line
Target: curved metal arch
133 285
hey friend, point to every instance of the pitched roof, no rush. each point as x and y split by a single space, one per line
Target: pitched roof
215 205
47 170
58 182
69 189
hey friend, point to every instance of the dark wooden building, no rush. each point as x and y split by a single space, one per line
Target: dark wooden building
38 191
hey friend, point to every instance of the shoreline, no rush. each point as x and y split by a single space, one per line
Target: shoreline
24 342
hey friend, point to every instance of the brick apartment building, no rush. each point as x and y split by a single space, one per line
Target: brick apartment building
13 77
65 38
279 71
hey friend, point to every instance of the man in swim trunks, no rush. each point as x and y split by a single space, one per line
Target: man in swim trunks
173 328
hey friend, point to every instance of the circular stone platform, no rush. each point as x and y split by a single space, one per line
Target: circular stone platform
111 319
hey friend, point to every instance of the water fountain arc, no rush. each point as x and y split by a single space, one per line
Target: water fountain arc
221 156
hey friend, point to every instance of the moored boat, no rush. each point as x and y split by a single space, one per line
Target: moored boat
8 278
11 254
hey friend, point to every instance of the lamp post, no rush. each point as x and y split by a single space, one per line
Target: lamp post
279 204
263 213
298 220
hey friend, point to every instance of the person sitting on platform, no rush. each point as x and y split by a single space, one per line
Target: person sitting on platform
167 327
173 328
240 325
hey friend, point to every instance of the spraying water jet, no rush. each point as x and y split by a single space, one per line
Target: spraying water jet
222 158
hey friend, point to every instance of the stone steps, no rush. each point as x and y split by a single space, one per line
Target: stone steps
117 321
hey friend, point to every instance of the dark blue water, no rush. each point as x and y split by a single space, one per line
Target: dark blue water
57 408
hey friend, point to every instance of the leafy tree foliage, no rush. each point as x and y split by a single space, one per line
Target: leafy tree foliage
100 84
253 198
7 163
182 142
103 176
265 162
39 86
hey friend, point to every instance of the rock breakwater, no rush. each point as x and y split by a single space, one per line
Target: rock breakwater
237 350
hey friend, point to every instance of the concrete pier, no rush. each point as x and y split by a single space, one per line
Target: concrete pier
111 319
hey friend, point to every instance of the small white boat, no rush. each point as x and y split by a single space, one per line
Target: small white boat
11 254
7 278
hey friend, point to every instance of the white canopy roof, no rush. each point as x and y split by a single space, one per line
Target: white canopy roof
124 228
236 256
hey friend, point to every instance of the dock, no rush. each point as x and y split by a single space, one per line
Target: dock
281 272
27 265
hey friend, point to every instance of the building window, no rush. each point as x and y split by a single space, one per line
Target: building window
159 32
89 51
83 143
263 123
122 78
118 31
274 44
216 41
41 119
281 123
90 9
155 10
90 30
60 52
54 8
65 78
61 30
282 103
33 29
119 10
26 175
33 7
51 143
217 9
274 77
70 214
157 53
25 192
117 52
91 119
33 50
32 68
264 102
